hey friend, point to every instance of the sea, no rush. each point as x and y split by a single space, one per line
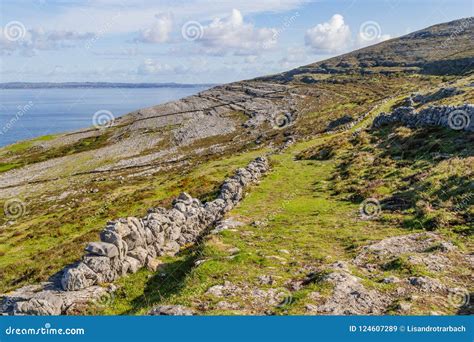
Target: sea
30 113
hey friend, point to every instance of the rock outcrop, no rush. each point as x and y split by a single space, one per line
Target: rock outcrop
171 310
454 117
129 244
436 96
350 296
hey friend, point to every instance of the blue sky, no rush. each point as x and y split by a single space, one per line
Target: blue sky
196 41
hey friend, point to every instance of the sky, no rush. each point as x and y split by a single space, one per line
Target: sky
196 41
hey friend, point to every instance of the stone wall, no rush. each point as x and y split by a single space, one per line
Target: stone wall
126 245
454 117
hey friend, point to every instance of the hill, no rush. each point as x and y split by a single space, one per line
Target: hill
367 208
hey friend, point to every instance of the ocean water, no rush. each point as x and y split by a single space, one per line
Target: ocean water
29 113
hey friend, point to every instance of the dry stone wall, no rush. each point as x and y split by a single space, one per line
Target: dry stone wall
128 244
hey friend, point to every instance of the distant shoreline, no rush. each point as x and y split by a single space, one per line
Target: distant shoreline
76 85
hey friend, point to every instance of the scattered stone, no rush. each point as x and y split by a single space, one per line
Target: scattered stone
171 310
434 262
234 250
200 262
314 296
266 280
229 223
295 285
391 280
154 264
222 290
349 296
311 308
426 284
404 307
397 245
276 257
223 305
446 246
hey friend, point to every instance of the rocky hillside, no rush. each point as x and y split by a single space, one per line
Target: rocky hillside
367 208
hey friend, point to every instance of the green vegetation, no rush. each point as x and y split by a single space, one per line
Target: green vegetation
303 216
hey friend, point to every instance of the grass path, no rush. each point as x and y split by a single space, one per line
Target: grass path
293 224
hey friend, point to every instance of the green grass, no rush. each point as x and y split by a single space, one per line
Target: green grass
26 144
8 166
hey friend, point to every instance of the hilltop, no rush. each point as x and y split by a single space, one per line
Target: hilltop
367 207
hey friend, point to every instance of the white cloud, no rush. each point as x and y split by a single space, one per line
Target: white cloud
160 31
136 15
330 37
68 35
152 67
233 34
38 39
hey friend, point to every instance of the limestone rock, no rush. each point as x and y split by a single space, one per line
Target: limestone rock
78 277
42 305
140 254
112 237
102 248
226 224
133 264
426 284
349 296
171 310
153 264
103 266
454 117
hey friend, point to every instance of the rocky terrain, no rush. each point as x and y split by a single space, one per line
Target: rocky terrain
367 207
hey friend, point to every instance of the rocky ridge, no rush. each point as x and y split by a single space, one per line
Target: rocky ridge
455 117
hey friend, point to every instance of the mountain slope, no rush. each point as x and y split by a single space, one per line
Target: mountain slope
305 213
